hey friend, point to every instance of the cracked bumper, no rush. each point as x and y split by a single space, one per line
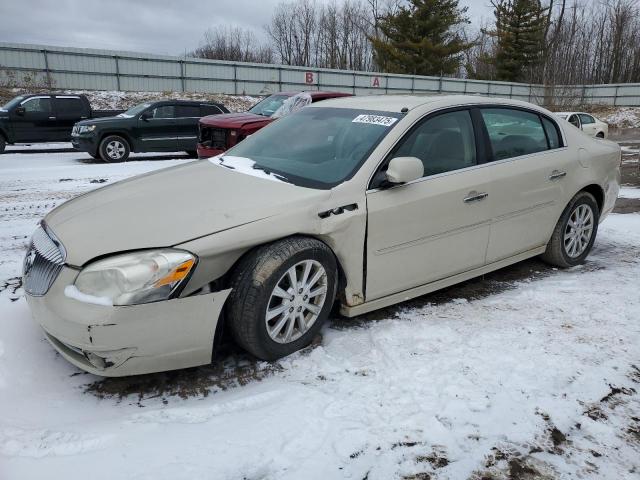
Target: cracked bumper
131 340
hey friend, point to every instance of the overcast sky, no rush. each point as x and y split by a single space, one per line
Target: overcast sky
168 27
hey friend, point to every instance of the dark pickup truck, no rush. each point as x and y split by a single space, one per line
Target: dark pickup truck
163 126
44 118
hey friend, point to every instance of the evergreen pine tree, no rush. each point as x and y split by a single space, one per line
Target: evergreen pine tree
421 38
520 32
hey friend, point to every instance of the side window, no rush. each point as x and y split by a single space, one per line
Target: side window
37 105
552 133
69 106
444 143
209 110
573 120
165 111
187 111
586 119
514 132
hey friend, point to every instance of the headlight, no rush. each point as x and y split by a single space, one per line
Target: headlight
134 278
86 128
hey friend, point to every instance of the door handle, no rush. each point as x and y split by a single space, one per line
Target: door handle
52 118
556 174
475 197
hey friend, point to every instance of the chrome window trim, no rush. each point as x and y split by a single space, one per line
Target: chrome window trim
474 167
34 98
469 107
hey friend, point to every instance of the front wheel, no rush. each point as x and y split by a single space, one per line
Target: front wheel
114 149
281 295
575 232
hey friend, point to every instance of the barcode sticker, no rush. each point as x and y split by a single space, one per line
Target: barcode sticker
375 120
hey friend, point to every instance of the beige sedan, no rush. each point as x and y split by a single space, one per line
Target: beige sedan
361 202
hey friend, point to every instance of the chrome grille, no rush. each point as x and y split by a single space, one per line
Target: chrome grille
43 262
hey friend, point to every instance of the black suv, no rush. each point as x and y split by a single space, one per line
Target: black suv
164 126
44 118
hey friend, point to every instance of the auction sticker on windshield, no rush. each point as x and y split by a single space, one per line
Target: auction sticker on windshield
375 120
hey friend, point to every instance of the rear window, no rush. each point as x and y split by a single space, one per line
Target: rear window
209 110
70 106
187 111
514 133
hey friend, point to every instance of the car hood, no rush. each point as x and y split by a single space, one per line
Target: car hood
234 120
169 207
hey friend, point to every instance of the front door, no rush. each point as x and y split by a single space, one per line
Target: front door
156 129
528 175
436 226
34 120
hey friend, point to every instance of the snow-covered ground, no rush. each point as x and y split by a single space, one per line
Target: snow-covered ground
537 380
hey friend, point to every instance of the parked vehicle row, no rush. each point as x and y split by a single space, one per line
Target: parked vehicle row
44 118
161 126
362 202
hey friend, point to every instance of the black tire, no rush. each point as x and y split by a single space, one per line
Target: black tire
3 144
253 282
556 253
192 153
106 147
600 135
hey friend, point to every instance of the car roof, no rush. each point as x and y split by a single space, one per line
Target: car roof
573 113
184 102
398 103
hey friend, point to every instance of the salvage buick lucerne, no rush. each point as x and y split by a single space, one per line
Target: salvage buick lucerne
358 202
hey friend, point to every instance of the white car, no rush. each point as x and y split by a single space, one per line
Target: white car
587 123
362 202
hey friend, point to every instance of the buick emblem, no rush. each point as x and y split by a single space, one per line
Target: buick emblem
28 260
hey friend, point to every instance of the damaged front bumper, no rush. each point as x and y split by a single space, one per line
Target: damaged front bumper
128 340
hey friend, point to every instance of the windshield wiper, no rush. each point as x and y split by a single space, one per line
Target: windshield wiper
255 166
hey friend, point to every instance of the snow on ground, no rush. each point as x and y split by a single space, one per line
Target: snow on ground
536 381
629 192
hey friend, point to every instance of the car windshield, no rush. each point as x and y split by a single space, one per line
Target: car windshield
316 147
133 111
11 103
269 105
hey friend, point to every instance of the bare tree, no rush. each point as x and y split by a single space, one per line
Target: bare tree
235 44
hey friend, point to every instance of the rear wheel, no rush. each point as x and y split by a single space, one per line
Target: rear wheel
600 135
575 232
282 294
114 149
192 153
2 144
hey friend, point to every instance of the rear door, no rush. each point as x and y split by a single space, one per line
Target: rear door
528 171
436 226
34 120
68 111
157 131
187 117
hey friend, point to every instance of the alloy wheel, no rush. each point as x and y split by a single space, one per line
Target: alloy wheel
578 231
296 301
115 149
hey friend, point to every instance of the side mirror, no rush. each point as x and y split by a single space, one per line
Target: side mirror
146 116
404 170
20 110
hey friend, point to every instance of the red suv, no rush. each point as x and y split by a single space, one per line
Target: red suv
218 133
